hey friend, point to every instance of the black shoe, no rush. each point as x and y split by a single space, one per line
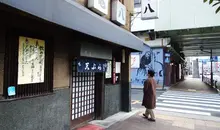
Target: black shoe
145 116
150 119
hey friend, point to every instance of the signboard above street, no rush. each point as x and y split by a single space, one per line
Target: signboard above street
149 9
135 60
99 6
118 12
91 65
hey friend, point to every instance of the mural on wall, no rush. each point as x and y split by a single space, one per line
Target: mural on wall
149 59
158 65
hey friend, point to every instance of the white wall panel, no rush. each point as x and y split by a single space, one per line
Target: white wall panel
179 14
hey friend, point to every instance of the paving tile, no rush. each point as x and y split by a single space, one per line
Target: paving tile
164 122
200 127
190 126
177 128
178 123
212 128
200 123
163 127
190 121
179 119
212 124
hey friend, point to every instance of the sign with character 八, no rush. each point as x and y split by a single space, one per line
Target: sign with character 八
149 9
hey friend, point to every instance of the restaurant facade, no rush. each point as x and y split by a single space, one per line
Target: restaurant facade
63 62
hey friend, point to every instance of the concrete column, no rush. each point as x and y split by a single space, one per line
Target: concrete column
125 83
196 69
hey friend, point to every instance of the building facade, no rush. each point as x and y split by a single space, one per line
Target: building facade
63 62
157 56
149 59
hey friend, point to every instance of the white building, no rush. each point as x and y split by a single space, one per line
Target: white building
177 15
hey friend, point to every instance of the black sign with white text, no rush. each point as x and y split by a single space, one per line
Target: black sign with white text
91 65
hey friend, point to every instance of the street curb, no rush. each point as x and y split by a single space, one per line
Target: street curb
184 115
141 89
121 116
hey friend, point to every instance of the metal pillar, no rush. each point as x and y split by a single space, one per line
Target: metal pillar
202 71
211 69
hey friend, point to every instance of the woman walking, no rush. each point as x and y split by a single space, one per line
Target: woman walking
149 99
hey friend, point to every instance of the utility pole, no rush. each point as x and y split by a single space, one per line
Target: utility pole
211 58
202 71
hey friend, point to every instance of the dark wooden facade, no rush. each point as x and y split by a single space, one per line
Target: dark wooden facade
90 94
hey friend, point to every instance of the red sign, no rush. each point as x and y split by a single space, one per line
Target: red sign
113 73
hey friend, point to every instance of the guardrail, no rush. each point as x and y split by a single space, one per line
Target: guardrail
216 82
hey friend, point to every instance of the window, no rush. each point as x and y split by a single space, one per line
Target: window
136 2
28 66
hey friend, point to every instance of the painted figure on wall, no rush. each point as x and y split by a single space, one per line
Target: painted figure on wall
145 63
158 65
150 59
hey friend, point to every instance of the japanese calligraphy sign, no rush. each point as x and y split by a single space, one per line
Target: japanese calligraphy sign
135 60
113 72
91 65
149 9
108 73
31 58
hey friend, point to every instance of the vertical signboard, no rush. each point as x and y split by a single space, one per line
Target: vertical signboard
135 60
158 65
108 73
99 6
31 58
214 58
167 58
149 9
118 12
180 71
114 72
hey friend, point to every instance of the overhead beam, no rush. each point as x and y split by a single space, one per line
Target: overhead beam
195 38
200 54
174 33
201 42
201 35
199 47
192 51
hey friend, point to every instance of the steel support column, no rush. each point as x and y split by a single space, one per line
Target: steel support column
211 69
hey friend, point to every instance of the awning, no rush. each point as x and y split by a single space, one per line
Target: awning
72 15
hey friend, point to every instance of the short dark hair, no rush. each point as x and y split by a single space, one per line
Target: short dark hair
151 73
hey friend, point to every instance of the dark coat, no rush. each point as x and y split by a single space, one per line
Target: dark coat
149 98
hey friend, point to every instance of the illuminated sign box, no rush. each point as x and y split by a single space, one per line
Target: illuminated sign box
99 6
118 13
149 9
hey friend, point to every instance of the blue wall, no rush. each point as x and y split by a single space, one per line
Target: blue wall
149 59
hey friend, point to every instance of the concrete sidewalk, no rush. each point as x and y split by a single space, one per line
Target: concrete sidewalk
193 85
167 121
164 121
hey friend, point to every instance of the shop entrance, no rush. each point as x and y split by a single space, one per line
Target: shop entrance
83 96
